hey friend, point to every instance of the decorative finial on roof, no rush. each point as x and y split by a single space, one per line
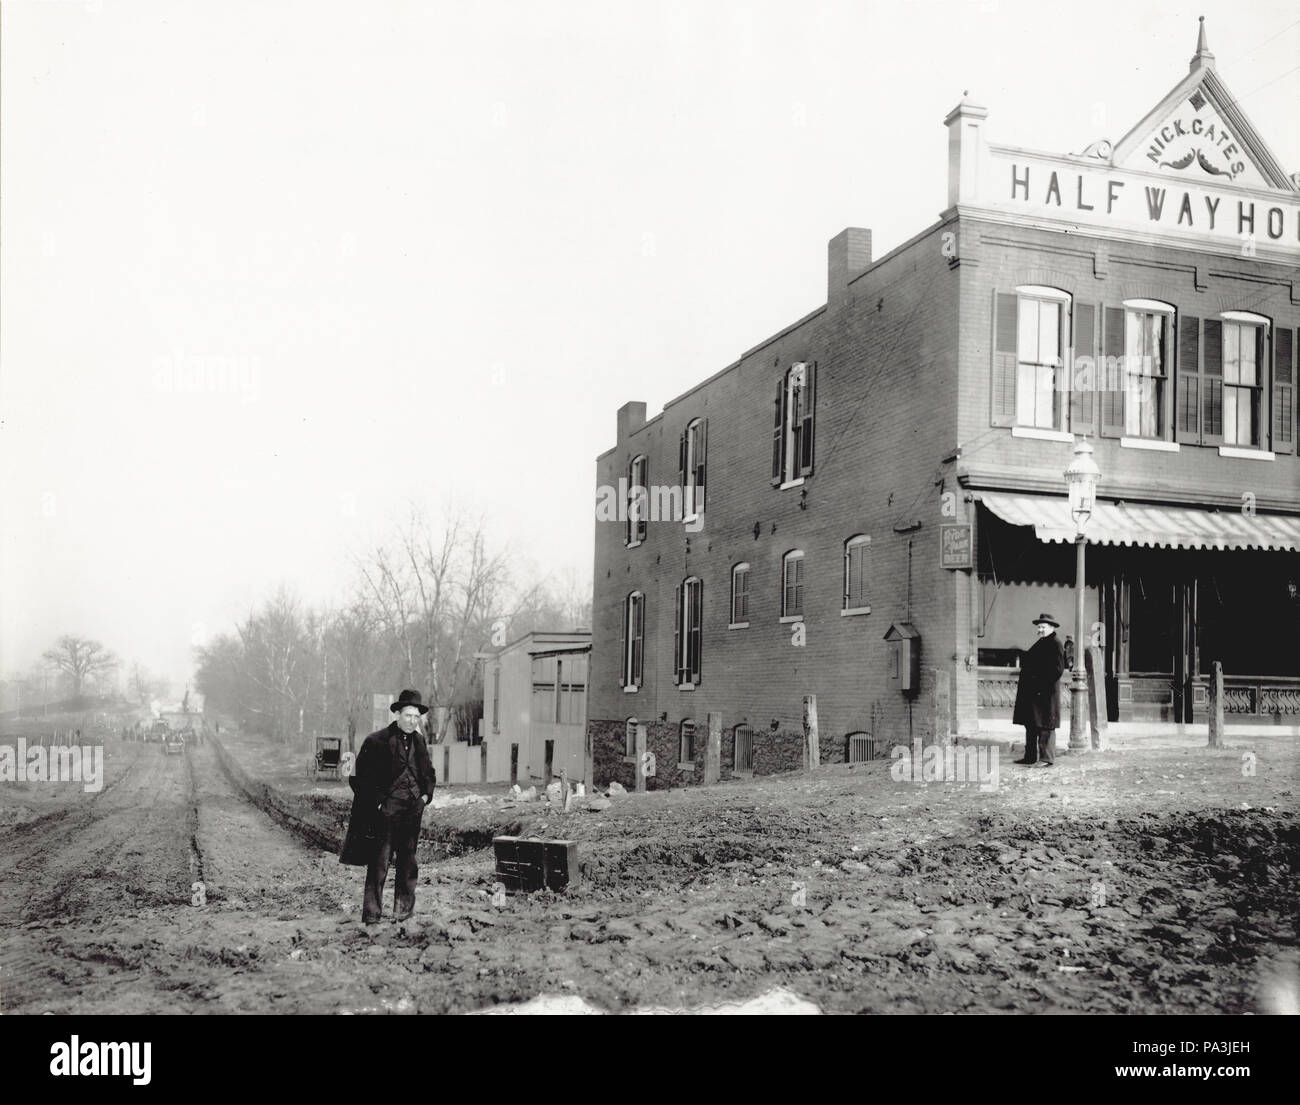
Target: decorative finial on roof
1203 58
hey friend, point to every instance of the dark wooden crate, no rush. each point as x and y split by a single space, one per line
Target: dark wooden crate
526 865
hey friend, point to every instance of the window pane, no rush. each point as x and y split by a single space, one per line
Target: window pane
1025 394
1249 340
1231 353
1028 338
1045 398
1049 333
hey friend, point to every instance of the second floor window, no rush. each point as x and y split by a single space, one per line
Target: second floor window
1029 331
1223 383
740 594
792 585
792 428
1146 368
633 643
1243 360
687 631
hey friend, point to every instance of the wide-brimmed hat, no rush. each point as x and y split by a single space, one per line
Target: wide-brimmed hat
409 698
1048 619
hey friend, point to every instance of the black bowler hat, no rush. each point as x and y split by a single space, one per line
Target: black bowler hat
409 698
1037 621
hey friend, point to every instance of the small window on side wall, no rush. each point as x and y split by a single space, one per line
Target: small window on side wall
686 742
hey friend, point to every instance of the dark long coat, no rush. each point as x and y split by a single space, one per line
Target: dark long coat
378 768
1038 699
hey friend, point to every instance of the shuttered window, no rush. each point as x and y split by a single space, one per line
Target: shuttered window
792 569
632 642
793 423
687 631
1284 381
638 501
740 594
1028 369
855 572
691 449
1244 366
1146 368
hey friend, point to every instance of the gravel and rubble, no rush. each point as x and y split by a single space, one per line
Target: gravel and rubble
1138 880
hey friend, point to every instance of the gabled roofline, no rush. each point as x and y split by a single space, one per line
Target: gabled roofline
1203 73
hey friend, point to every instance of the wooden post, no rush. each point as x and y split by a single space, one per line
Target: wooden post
812 746
713 749
1096 697
641 748
1216 705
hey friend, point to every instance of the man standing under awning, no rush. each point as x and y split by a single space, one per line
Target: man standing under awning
1038 700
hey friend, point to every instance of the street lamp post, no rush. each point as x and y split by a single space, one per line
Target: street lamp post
1081 483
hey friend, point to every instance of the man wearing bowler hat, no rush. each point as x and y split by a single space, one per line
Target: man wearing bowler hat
1038 701
393 783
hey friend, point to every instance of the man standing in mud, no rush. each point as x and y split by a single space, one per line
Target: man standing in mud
1038 703
393 783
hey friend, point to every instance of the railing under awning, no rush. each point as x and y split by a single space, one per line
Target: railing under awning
1155 526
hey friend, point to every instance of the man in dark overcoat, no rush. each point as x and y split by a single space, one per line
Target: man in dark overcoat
393 783
1038 700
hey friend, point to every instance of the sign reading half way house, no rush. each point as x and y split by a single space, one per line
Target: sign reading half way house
1194 171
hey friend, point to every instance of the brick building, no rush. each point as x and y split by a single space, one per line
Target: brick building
891 464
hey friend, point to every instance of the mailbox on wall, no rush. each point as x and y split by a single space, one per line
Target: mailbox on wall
904 643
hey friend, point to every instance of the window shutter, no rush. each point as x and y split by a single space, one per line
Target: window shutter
697 623
700 463
625 666
1112 379
678 643
643 516
1004 359
1284 374
778 432
681 467
1187 417
638 641
1083 399
809 412
1212 384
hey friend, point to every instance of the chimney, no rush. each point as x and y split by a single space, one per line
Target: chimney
965 125
848 255
631 417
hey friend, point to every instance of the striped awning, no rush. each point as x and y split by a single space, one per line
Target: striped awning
1171 527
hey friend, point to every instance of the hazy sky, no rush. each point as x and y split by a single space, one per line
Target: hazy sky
271 271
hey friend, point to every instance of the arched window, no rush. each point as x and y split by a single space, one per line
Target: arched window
632 645
1030 333
629 737
1148 350
686 742
743 750
792 428
740 596
691 451
638 501
792 574
687 631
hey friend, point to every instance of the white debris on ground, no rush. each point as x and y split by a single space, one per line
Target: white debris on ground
778 1001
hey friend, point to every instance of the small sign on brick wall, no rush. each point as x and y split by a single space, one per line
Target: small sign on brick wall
955 546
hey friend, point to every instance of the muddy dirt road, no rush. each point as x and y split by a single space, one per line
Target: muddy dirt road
1159 879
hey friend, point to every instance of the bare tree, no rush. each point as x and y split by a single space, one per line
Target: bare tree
81 659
